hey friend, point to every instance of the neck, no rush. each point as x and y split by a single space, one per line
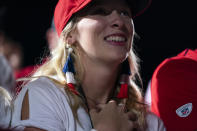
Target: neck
99 82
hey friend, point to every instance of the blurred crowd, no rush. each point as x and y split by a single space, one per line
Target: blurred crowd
12 67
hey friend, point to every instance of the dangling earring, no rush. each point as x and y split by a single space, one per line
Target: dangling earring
124 80
69 70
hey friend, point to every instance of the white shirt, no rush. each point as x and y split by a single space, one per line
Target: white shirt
49 110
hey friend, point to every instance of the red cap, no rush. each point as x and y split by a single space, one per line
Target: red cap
174 91
66 8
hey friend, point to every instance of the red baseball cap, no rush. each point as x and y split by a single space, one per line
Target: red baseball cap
174 91
66 8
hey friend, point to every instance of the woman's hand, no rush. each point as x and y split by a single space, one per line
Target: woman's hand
112 117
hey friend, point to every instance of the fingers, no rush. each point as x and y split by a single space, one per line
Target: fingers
112 102
122 107
131 116
99 107
133 125
115 115
93 112
112 105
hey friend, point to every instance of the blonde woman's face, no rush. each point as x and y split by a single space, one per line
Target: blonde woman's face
106 32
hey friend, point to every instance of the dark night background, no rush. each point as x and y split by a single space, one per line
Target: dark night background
166 28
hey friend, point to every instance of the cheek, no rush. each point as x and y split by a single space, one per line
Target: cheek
130 26
88 32
89 27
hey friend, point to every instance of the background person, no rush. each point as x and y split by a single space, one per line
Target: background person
5 108
7 92
173 91
13 52
7 80
52 41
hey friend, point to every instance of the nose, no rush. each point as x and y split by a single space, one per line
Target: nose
116 20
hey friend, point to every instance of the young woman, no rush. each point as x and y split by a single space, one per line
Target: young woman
88 83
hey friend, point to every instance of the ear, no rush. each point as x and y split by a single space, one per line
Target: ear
71 38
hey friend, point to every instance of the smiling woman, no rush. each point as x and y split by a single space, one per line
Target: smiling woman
88 82
106 33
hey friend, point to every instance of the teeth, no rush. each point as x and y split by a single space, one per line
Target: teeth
116 39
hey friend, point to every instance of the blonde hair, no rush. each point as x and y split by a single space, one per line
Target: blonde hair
5 108
54 66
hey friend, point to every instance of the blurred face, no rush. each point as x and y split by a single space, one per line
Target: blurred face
52 39
106 32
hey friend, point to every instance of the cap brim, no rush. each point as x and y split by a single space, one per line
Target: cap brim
138 6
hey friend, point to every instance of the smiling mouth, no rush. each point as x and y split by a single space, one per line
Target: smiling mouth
116 40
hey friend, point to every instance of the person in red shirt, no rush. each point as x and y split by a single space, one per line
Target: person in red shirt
173 91
52 41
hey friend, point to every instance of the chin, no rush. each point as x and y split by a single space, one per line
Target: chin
118 58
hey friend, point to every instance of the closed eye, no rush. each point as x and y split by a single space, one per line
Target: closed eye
125 13
100 11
